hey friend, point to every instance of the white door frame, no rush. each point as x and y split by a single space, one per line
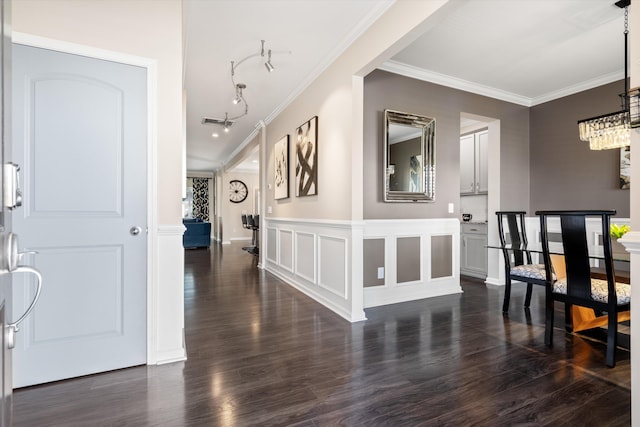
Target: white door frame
152 193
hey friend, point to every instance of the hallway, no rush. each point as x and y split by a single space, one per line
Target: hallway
261 353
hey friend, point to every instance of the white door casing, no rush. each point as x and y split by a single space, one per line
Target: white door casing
80 135
6 316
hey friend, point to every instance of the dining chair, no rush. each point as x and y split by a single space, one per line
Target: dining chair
248 223
517 259
579 287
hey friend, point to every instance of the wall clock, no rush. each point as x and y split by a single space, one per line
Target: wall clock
237 191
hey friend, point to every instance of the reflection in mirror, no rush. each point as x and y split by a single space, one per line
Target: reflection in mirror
409 157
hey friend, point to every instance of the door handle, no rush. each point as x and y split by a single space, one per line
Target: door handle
14 327
135 230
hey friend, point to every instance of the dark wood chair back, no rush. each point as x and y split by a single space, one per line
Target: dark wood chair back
517 259
579 287
515 221
575 243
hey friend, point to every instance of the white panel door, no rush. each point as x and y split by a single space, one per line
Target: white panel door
79 134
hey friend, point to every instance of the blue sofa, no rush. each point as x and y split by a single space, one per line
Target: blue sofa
197 234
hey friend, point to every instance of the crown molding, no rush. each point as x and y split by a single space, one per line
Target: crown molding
455 83
452 82
356 32
580 87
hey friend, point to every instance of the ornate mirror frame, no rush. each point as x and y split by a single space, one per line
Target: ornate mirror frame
419 165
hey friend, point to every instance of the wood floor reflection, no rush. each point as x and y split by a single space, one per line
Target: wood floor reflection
261 353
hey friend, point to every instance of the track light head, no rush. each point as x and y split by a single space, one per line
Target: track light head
268 64
239 88
270 67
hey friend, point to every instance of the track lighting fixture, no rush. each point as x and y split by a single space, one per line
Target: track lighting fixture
238 88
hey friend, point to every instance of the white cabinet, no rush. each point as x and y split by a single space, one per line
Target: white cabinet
473 250
474 159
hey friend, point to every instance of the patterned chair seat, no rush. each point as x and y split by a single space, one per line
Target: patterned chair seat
599 290
530 271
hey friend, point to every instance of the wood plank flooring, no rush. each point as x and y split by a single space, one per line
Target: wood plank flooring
262 354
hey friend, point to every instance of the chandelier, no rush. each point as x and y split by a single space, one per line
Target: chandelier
614 130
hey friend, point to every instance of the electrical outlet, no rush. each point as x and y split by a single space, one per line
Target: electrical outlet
380 272
450 207
269 209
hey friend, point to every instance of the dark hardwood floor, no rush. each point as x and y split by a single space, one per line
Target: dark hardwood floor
261 353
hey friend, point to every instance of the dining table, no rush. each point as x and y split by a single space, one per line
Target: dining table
583 318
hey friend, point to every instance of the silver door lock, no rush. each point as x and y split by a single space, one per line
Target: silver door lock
12 191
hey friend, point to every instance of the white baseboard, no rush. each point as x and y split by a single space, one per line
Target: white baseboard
493 282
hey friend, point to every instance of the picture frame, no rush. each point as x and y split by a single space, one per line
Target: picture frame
625 168
307 158
281 168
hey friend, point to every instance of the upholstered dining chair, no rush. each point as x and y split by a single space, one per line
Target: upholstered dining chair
579 288
517 260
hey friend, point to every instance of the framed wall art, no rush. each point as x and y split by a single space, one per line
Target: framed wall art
307 158
625 168
281 168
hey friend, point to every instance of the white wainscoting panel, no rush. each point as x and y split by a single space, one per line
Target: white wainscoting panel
315 257
166 303
272 245
306 262
285 249
426 287
333 265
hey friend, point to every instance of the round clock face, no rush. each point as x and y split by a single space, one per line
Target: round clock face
237 191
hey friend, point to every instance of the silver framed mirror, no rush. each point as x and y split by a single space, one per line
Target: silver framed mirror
409 167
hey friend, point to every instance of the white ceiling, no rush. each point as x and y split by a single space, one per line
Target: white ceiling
522 51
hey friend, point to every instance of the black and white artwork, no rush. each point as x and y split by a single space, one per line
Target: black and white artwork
307 158
625 168
281 167
201 198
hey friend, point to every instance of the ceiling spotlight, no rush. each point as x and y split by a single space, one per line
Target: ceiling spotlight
239 98
215 134
268 64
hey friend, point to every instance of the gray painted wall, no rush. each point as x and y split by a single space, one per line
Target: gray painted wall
386 90
565 173
373 258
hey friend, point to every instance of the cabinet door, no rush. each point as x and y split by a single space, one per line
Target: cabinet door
467 164
482 161
473 259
